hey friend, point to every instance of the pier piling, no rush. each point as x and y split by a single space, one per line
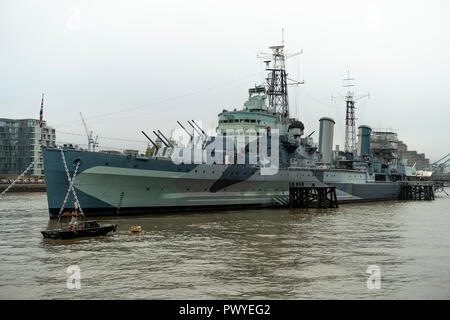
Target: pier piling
312 197
417 191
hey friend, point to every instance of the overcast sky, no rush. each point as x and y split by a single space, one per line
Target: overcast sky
141 65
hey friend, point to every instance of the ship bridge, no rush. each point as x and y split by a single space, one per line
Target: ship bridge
255 114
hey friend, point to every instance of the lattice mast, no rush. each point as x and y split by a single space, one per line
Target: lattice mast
350 120
277 85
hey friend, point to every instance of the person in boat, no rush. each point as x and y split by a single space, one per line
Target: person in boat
74 223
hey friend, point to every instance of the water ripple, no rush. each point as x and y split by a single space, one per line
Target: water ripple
252 254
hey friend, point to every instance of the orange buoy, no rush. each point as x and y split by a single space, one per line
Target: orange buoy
136 229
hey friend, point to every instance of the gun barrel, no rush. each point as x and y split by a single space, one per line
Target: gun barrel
196 130
204 133
167 140
160 138
154 144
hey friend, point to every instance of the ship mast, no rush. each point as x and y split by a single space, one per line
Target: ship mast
277 84
350 120
350 142
277 80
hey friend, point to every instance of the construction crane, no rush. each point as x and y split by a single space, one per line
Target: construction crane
92 143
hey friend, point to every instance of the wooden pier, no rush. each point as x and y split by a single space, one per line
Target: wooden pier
24 187
417 191
312 197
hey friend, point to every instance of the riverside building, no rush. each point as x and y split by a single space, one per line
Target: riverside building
20 141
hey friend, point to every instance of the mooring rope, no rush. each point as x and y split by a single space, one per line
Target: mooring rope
71 181
20 176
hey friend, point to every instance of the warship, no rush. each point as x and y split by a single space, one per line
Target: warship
257 153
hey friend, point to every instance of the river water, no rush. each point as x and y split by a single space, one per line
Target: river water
251 254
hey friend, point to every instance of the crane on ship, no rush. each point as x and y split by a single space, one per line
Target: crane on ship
92 143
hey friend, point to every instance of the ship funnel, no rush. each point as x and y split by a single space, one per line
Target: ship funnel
363 140
326 140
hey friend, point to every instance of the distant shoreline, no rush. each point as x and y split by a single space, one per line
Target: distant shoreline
24 187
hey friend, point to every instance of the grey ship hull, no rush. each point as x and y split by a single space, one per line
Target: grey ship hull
109 184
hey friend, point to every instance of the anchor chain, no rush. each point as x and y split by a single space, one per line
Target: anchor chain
71 181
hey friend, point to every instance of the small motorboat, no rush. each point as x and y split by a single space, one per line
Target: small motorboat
78 228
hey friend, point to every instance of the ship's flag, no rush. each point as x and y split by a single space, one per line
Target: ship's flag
41 115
